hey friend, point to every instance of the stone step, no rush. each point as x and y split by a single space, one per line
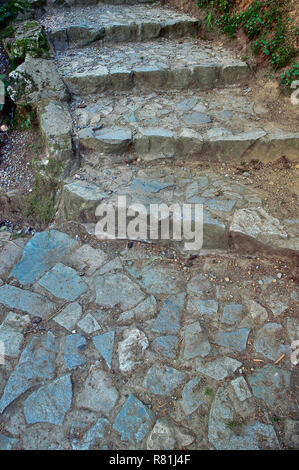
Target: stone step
161 64
191 125
233 209
81 26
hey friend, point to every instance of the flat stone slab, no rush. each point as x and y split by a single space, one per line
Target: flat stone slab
63 282
113 289
104 344
270 383
196 342
162 380
41 253
169 319
134 420
50 403
69 316
235 340
166 346
73 345
218 369
26 301
96 432
268 341
131 350
11 333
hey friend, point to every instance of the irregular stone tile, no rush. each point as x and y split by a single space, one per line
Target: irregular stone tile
253 436
142 312
235 340
44 436
220 205
191 396
11 333
291 433
292 327
187 104
153 186
105 344
256 311
87 259
134 420
269 383
6 442
98 393
10 255
36 364
198 285
169 319
50 403
268 341
162 380
276 305
26 301
241 388
113 265
89 324
166 346
232 313
157 279
207 308
196 118
196 341
63 282
218 369
131 350
113 289
74 344
41 253
98 431
69 316
162 436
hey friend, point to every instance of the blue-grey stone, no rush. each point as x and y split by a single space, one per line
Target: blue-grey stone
6 442
187 104
130 117
235 340
206 307
24 300
149 186
166 346
196 118
50 403
98 431
63 282
162 380
203 181
191 396
220 205
157 279
196 341
267 341
36 364
169 319
73 344
269 383
104 344
41 253
134 421
218 369
232 313
116 288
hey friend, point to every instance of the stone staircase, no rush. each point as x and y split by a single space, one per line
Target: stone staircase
152 105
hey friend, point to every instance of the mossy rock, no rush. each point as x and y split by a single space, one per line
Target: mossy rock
26 38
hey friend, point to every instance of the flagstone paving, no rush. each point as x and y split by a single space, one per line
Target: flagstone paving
148 355
140 345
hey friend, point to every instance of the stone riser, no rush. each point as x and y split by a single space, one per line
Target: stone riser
80 36
201 77
162 143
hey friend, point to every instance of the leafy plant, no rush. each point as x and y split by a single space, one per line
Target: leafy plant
289 76
11 9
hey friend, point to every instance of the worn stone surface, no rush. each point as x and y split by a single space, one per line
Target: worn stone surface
235 340
162 380
63 282
268 341
98 393
131 350
11 333
25 300
114 289
196 341
169 319
73 345
269 383
162 436
104 344
220 368
69 316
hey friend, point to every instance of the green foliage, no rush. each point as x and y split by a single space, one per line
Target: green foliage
289 76
264 21
11 9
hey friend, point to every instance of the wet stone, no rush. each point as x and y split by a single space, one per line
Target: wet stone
169 319
235 340
104 344
269 383
50 403
63 282
73 344
166 346
267 341
162 380
134 420
41 253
